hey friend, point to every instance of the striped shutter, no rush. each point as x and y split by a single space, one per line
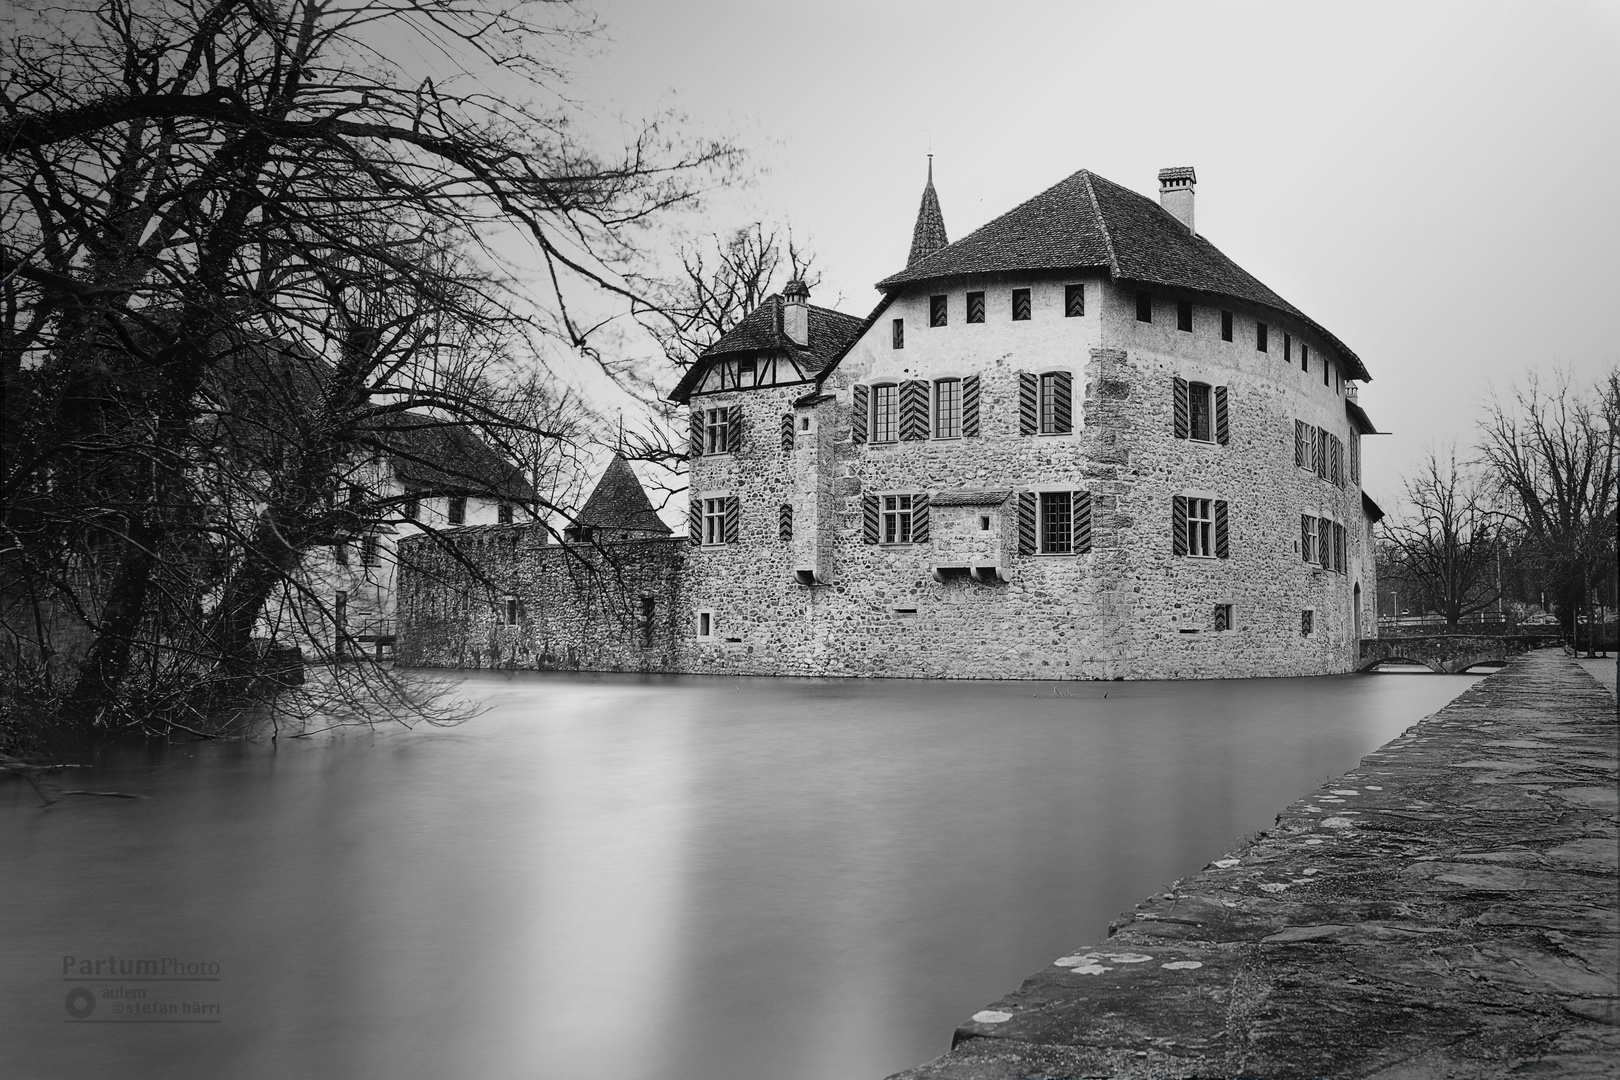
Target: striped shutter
1026 522
1222 531
695 434
1082 523
1062 402
734 429
1183 424
869 519
694 519
1321 453
1305 530
1338 461
733 525
1029 394
1222 426
1178 524
1340 555
787 431
785 521
913 411
970 407
919 518
859 411
1299 444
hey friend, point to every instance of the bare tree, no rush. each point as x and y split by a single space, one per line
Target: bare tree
1445 542
243 248
1553 452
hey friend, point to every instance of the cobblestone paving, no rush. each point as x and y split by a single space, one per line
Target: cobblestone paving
1449 908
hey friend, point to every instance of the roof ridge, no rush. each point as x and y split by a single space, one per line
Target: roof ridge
1102 222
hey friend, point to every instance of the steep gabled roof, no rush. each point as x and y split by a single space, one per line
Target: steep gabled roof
1087 222
761 331
928 235
620 503
448 457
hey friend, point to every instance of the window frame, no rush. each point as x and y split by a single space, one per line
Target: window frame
1200 529
1208 396
1262 337
1044 531
876 395
939 403
1029 305
897 334
1184 316
1074 300
1227 329
972 298
714 520
1046 402
1231 619
716 431
705 622
1144 306
896 522
503 513
455 512
939 310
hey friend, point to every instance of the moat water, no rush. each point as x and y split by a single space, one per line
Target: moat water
636 879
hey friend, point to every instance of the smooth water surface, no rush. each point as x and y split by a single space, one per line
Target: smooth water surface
640 879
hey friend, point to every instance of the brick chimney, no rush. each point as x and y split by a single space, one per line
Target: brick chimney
796 312
1176 193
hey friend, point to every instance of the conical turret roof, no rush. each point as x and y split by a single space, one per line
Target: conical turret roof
619 503
929 234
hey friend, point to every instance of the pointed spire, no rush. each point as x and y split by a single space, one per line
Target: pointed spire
619 508
929 235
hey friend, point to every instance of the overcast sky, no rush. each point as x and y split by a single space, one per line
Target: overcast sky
1438 184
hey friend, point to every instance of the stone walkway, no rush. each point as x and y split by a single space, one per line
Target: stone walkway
1448 909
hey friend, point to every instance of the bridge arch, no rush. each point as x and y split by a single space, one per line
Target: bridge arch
1449 654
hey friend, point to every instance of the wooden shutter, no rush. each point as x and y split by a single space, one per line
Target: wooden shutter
1222 429
785 521
695 434
913 411
787 431
1026 522
1183 422
859 411
1029 403
970 407
1222 530
1321 453
733 525
869 519
1305 531
1082 522
1299 444
1062 402
919 518
1178 524
734 429
694 519
1338 461
1341 561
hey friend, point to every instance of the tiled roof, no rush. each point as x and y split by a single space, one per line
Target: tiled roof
1359 417
447 457
928 235
1087 221
620 502
971 498
761 331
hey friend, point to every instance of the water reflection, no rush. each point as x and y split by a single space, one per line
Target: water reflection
658 879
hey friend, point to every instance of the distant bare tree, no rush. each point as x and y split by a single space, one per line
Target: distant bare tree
1444 543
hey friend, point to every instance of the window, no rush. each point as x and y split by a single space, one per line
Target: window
948 409
1184 316
369 551
1201 412
784 522
717 431
458 509
1325 372
1223 617
885 409
413 507
1057 519
975 307
705 625
936 311
1307 539
1260 337
1201 527
1288 348
1144 306
649 605
747 372
896 519
1355 458
1057 413
1074 301
508 615
504 513
984 522
714 521
340 554
804 423
898 331
1307 622
1226 326
1020 305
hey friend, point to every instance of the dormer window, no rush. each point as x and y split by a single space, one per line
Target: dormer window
936 311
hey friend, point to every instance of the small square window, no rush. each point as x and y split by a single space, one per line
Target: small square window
1144 306
984 522
1226 326
975 307
1020 305
1223 617
936 311
899 333
804 423
1074 301
1184 316
1260 337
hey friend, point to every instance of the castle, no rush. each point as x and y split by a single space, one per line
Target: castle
1079 442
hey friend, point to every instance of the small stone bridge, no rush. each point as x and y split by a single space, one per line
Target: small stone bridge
1449 654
